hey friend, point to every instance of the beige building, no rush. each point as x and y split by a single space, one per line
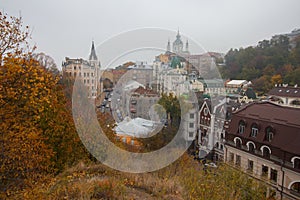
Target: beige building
87 70
263 140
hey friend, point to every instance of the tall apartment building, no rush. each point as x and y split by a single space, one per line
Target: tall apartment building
87 70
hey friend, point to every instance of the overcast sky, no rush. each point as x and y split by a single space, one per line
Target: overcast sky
66 27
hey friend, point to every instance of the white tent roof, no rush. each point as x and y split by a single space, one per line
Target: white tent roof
133 85
236 82
136 127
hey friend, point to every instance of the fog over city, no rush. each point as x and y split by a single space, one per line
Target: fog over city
66 28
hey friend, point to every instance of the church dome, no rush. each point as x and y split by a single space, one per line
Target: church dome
178 40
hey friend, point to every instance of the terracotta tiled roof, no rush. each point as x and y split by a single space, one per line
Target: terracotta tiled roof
145 91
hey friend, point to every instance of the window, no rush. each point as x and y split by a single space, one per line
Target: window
191 134
297 163
204 133
238 143
264 170
191 125
192 116
241 127
254 130
88 81
84 81
217 145
273 175
222 136
205 111
92 74
84 74
296 187
92 80
251 147
266 152
221 147
269 134
231 157
74 67
132 142
250 165
74 74
88 74
238 160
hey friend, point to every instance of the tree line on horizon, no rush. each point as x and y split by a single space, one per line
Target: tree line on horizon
271 62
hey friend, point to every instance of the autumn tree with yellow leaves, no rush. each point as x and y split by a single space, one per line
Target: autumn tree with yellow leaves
37 136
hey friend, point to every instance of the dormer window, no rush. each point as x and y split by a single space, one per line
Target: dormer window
269 134
238 142
251 148
266 151
242 127
296 162
254 130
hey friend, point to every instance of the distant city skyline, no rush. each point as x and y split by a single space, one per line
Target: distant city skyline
66 28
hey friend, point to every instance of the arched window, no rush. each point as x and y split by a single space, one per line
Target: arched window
204 142
254 130
222 136
296 162
266 151
217 145
238 142
295 187
269 134
251 147
295 102
242 126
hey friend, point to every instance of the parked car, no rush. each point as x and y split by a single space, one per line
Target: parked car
212 165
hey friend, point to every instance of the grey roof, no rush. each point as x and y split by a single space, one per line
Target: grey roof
137 127
285 92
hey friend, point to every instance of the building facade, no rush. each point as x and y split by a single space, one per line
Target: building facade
211 132
287 96
263 140
142 101
87 70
